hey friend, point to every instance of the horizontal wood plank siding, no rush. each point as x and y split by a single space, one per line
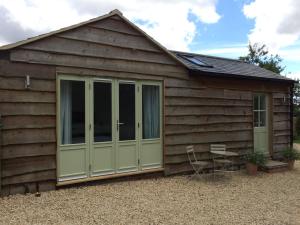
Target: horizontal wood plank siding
66 59
49 174
12 167
206 110
28 136
17 83
37 109
281 122
28 121
20 70
116 25
96 35
14 96
198 110
29 126
102 48
28 150
108 48
82 48
1 156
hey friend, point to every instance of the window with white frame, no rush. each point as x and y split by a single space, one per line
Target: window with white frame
260 110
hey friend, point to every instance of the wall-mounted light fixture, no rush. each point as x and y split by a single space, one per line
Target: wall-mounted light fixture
27 82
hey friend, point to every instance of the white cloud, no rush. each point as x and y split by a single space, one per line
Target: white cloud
294 75
276 22
226 50
166 21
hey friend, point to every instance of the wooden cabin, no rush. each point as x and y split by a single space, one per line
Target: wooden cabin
102 99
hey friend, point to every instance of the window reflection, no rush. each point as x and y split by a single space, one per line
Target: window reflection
102 112
72 112
126 112
151 115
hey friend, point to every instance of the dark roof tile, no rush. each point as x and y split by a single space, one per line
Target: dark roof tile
231 67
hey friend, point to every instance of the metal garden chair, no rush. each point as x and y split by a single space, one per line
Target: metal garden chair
220 158
198 166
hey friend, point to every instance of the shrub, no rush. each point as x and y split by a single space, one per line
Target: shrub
297 126
257 158
291 154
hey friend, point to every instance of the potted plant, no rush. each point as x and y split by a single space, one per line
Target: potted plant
253 161
290 155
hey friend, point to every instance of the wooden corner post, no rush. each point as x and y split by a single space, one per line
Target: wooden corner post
291 115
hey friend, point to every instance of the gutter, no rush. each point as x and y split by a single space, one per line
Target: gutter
194 72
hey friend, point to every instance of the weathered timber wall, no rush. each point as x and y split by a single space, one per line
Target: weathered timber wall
281 118
0 155
109 48
28 117
206 110
198 110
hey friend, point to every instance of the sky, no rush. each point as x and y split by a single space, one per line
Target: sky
213 27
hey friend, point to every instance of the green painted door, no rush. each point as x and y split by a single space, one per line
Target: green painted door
102 150
260 113
127 126
73 131
108 126
151 125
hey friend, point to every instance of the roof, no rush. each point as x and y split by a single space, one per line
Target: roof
110 14
219 66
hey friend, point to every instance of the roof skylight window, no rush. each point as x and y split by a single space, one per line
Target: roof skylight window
196 61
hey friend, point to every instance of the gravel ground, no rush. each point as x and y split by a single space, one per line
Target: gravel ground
264 199
296 146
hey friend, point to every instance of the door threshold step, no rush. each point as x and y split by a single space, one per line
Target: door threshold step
106 177
273 166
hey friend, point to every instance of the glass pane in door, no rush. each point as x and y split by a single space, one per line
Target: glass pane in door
126 122
262 118
102 112
256 119
262 102
256 102
150 108
72 112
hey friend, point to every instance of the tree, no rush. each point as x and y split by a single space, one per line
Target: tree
296 98
259 55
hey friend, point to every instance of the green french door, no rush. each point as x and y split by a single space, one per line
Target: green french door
73 128
108 126
102 125
260 113
127 126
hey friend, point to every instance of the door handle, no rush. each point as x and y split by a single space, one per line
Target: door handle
118 124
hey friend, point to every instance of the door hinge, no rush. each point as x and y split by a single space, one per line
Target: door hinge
90 126
139 161
138 89
90 86
138 125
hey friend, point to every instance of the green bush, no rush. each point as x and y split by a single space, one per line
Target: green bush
297 126
291 154
257 158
